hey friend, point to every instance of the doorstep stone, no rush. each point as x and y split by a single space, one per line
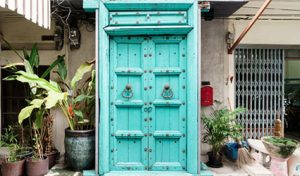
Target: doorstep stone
146 173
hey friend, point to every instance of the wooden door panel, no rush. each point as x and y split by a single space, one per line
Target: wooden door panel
127 97
148 103
167 140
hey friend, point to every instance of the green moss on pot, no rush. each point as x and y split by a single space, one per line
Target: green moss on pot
280 147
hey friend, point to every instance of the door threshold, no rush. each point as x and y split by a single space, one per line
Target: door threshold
148 173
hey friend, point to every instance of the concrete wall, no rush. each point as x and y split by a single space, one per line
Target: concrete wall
31 33
215 63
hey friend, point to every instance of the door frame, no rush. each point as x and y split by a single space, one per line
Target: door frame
193 68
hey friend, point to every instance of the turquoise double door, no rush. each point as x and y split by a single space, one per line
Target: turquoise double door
148 113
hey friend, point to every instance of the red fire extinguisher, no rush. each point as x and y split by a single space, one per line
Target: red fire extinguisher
206 94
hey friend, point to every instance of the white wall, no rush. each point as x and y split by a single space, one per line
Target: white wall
268 32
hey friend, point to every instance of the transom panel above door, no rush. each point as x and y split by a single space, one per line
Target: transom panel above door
148 103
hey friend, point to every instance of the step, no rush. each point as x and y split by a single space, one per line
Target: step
147 173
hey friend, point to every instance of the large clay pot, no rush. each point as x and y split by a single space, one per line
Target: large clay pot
13 168
214 161
37 167
80 149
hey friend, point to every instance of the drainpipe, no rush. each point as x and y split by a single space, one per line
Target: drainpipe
251 23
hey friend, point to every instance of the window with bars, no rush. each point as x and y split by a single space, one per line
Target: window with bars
260 89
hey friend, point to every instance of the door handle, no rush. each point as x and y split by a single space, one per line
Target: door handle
127 92
167 92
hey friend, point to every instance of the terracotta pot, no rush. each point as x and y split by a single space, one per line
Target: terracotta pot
80 149
37 167
214 161
13 168
53 157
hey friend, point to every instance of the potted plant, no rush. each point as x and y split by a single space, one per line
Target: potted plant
80 111
219 126
12 163
41 115
13 166
76 100
37 165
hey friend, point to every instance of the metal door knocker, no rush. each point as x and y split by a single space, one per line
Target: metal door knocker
167 92
127 92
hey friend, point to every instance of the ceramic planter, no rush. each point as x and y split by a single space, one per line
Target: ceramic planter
280 150
13 168
80 149
37 167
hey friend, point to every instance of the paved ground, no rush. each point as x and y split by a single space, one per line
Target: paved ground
230 169
61 170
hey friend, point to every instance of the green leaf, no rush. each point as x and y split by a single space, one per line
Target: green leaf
83 69
10 78
39 115
13 65
54 98
34 58
29 69
25 113
59 59
33 78
78 114
62 69
26 55
81 98
37 103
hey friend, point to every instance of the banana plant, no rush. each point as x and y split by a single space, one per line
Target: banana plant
52 95
81 95
31 63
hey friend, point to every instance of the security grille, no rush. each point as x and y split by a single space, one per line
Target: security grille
259 88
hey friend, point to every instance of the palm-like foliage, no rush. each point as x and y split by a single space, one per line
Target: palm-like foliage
219 126
69 96
53 95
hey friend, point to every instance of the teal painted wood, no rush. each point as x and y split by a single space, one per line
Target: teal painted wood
152 140
90 5
193 94
137 18
103 49
146 30
149 173
167 125
127 125
191 75
148 5
89 173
